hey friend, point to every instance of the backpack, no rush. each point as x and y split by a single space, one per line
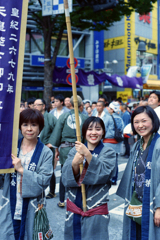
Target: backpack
118 135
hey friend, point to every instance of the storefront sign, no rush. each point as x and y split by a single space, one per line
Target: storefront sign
98 50
149 44
38 60
47 6
124 95
128 49
114 43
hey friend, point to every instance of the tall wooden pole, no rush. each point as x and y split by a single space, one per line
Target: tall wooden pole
74 90
19 76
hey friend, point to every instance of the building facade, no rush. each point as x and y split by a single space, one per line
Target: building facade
121 43
98 51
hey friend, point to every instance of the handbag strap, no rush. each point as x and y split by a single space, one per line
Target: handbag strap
114 122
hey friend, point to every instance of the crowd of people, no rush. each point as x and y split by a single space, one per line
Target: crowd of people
47 134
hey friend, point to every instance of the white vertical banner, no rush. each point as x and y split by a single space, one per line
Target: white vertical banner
58 6
132 71
47 7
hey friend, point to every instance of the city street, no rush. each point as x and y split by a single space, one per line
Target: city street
56 215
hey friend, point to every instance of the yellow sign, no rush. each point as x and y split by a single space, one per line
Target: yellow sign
151 45
114 43
130 51
124 95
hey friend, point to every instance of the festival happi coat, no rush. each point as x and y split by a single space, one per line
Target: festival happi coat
34 181
149 230
97 183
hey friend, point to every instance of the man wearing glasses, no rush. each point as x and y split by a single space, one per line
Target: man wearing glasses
46 137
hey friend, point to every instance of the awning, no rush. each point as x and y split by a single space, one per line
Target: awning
152 84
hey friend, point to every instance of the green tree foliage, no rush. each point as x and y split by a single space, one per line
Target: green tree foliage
81 18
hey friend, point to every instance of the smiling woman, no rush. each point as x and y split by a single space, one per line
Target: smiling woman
99 167
33 167
141 178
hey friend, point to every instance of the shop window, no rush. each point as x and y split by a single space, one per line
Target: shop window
148 59
27 43
63 50
151 59
80 49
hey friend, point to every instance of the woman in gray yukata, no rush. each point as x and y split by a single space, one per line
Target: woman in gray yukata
98 168
142 175
23 188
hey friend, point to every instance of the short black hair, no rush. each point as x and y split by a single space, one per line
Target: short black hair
92 120
119 99
103 96
151 113
33 116
103 103
43 102
60 97
156 93
31 100
94 102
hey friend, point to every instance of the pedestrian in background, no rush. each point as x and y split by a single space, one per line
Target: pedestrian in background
89 111
154 102
30 102
99 166
67 103
64 137
126 120
46 137
94 104
59 106
141 179
109 139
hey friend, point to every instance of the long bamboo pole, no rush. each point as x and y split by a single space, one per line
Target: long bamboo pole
19 76
74 90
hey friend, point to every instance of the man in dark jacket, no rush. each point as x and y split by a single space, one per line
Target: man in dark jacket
46 137
64 135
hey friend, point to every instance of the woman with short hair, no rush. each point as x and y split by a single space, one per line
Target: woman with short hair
99 166
141 179
23 189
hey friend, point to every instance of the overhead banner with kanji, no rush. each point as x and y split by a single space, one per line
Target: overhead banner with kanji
10 31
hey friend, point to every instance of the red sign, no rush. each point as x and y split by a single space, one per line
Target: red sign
69 79
75 63
145 18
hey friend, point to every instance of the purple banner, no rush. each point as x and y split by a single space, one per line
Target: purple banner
10 23
63 76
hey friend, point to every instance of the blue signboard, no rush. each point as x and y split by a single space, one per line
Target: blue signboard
59 89
38 60
98 50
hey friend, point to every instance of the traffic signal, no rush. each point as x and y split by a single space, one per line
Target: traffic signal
98 5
